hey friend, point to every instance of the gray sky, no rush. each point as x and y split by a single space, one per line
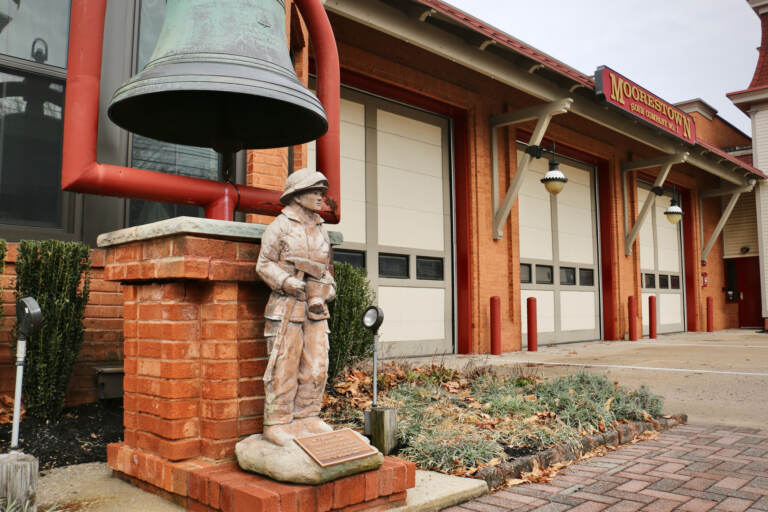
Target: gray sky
678 49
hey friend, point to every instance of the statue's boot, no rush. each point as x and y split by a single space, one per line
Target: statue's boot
314 425
278 434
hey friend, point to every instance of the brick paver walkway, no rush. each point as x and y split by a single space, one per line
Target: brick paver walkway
693 468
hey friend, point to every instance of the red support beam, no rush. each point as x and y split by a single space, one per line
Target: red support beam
81 172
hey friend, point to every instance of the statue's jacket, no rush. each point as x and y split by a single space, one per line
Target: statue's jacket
290 235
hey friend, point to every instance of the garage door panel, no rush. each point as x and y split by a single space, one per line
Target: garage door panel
670 313
408 127
578 311
412 313
409 190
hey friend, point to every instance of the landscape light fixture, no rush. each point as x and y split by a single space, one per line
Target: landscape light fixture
554 180
674 213
29 318
372 319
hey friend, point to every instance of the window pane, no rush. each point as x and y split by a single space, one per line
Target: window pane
525 272
663 281
586 277
429 268
650 280
354 258
675 280
567 275
544 274
154 155
393 265
31 125
36 30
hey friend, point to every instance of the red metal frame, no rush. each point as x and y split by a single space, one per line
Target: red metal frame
81 172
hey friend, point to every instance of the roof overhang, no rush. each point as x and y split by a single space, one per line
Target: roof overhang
452 34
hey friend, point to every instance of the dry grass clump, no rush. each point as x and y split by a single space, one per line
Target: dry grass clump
457 422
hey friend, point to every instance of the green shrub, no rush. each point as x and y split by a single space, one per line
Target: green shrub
349 340
56 274
3 251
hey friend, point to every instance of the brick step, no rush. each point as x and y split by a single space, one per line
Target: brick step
203 486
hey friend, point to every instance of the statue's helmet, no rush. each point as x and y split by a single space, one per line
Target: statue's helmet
301 181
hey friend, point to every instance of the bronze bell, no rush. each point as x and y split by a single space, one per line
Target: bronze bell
221 77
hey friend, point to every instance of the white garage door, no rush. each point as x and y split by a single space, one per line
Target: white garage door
559 253
396 218
661 265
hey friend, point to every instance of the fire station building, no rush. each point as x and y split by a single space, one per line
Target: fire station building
448 127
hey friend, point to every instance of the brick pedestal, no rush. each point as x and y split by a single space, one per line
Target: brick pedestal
194 360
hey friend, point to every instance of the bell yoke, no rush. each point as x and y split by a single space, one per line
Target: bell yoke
295 263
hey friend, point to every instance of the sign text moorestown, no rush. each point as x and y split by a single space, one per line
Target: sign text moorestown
634 99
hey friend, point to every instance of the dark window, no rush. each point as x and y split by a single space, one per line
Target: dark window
525 272
354 258
544 274
586 277
393 265
663 281
154 155
675 281
31 128
567 275
429 268
650 280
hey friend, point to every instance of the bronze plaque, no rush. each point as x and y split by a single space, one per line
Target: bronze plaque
336 447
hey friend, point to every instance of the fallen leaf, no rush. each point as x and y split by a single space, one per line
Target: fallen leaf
607 404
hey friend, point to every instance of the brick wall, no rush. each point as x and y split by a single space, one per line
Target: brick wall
103 343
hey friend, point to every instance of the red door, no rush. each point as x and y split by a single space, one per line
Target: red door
750 307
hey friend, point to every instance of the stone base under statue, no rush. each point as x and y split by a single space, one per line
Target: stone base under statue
290 463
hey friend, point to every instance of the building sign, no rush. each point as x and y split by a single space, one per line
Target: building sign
641 103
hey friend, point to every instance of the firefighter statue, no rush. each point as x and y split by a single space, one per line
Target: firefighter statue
295 263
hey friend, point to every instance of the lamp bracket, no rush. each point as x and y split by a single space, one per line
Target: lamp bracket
659 191
543 114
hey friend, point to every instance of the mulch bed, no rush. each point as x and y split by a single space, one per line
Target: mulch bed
81 435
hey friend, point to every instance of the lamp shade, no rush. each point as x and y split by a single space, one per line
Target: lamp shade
674 213
554 180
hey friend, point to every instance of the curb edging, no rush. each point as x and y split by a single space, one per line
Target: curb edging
495 476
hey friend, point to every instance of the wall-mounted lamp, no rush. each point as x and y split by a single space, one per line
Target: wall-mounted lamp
554 180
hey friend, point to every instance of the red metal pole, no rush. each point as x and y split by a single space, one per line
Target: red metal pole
632 312
652 317
710 314
329 94
81 172
533 326
496 326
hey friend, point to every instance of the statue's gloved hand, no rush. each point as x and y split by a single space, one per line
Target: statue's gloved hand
293 286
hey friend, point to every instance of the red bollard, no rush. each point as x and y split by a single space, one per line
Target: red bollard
632 312
652 317
710 314
533 333
496 326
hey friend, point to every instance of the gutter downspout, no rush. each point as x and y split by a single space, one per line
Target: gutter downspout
81 172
